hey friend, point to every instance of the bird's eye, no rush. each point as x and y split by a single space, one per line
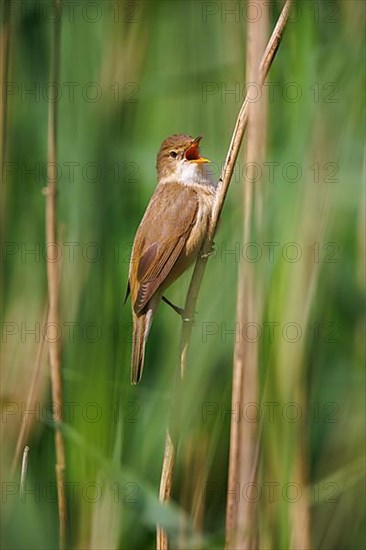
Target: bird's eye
173 154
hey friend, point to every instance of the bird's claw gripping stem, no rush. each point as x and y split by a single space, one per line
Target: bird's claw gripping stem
210 252
178 310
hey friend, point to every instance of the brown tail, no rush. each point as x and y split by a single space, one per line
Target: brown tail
141 328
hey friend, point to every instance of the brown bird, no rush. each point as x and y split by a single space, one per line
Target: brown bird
169 236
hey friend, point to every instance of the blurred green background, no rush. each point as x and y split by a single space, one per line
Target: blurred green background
133 73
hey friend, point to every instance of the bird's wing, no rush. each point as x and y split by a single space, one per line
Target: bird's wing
162 234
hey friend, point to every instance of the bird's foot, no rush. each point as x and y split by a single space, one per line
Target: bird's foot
178 310
210 252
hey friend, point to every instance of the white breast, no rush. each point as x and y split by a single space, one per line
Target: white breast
190 173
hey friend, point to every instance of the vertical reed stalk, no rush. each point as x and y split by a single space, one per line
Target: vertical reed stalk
23 473
31 396
199 269
53 280
244 437
165 492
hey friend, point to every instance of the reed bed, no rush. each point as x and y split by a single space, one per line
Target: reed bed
274 369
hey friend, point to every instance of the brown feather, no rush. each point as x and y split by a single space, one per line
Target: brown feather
154 255
168 238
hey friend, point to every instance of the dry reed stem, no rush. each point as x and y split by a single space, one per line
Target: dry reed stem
23 474
241 529
53 283
305 287
24 428
199 268
224 183
165 487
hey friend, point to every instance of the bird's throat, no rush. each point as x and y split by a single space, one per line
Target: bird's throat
190 173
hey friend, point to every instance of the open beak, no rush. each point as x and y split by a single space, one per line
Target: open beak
192 153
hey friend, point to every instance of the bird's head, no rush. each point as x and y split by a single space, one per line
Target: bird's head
179 159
